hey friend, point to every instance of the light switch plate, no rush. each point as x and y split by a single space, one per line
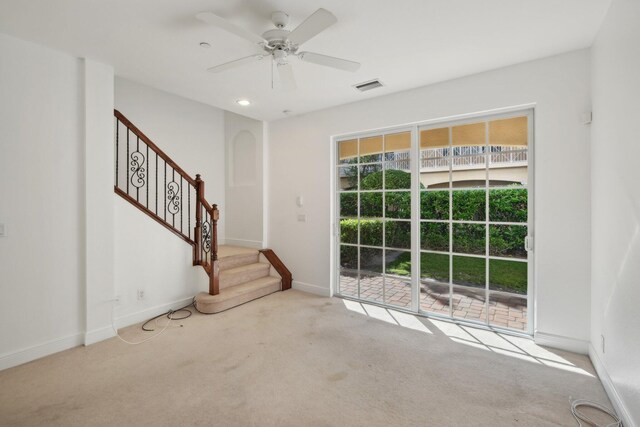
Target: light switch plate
302 218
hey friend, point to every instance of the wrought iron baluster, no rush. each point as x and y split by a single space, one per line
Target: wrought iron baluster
181 184
202 253
174 203
206 234
169 196
189 210
156 183
128 131
147 188
117 148
134 171
138 169
165 190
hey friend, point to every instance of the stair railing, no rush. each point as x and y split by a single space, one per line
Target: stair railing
155 184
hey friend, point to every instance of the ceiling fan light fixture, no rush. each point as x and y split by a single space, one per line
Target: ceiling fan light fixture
205 45
280 19
243 102
280 43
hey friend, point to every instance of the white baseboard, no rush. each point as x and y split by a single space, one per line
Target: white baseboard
15 358
97 335
243 242
148 313
561 342
614 397
311 289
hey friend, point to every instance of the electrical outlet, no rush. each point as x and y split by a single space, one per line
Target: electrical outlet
140 294
602 340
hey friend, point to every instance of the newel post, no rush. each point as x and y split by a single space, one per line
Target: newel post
197 232
214 277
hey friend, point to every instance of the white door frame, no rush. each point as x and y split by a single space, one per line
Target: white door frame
520 110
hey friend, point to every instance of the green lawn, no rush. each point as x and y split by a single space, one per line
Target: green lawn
509 276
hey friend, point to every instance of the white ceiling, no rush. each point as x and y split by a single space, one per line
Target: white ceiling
404 43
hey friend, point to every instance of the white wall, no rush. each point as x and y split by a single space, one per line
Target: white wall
51 116
616 206
98 200
299 164
147 256
244 180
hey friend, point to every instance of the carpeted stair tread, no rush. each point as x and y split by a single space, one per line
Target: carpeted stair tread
245 273
236 295
235 256
225 251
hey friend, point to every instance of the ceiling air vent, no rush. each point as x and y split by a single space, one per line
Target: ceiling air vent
371 84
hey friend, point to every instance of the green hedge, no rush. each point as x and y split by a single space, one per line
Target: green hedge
393 180
434 205
507 240
397 233
469 238
504 240
508 205
505 205
434 236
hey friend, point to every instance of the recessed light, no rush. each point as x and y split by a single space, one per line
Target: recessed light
243 102
286 111
205 45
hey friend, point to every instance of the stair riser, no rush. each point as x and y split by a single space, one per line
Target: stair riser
227 279
217 307
237 261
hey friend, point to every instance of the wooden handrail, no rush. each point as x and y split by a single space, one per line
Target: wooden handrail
153 146
138 163
279 266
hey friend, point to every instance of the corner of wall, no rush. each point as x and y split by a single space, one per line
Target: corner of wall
311 289
98 200
607 383
561 342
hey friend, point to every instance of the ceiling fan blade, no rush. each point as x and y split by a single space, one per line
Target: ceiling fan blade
217 21
319 20
287 79
234 63
329 61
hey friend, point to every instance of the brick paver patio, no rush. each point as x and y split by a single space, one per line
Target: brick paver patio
505 310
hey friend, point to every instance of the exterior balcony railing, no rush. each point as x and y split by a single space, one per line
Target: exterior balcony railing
469 157
464 157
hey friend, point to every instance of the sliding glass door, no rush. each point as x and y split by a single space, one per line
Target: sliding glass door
462 217
374 206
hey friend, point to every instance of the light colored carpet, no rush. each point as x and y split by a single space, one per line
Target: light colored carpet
293 359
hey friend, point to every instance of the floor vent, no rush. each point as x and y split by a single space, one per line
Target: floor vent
365 86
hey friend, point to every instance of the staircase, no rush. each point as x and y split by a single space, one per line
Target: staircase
243 277
151 181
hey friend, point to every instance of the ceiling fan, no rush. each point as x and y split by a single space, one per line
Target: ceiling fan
281 44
